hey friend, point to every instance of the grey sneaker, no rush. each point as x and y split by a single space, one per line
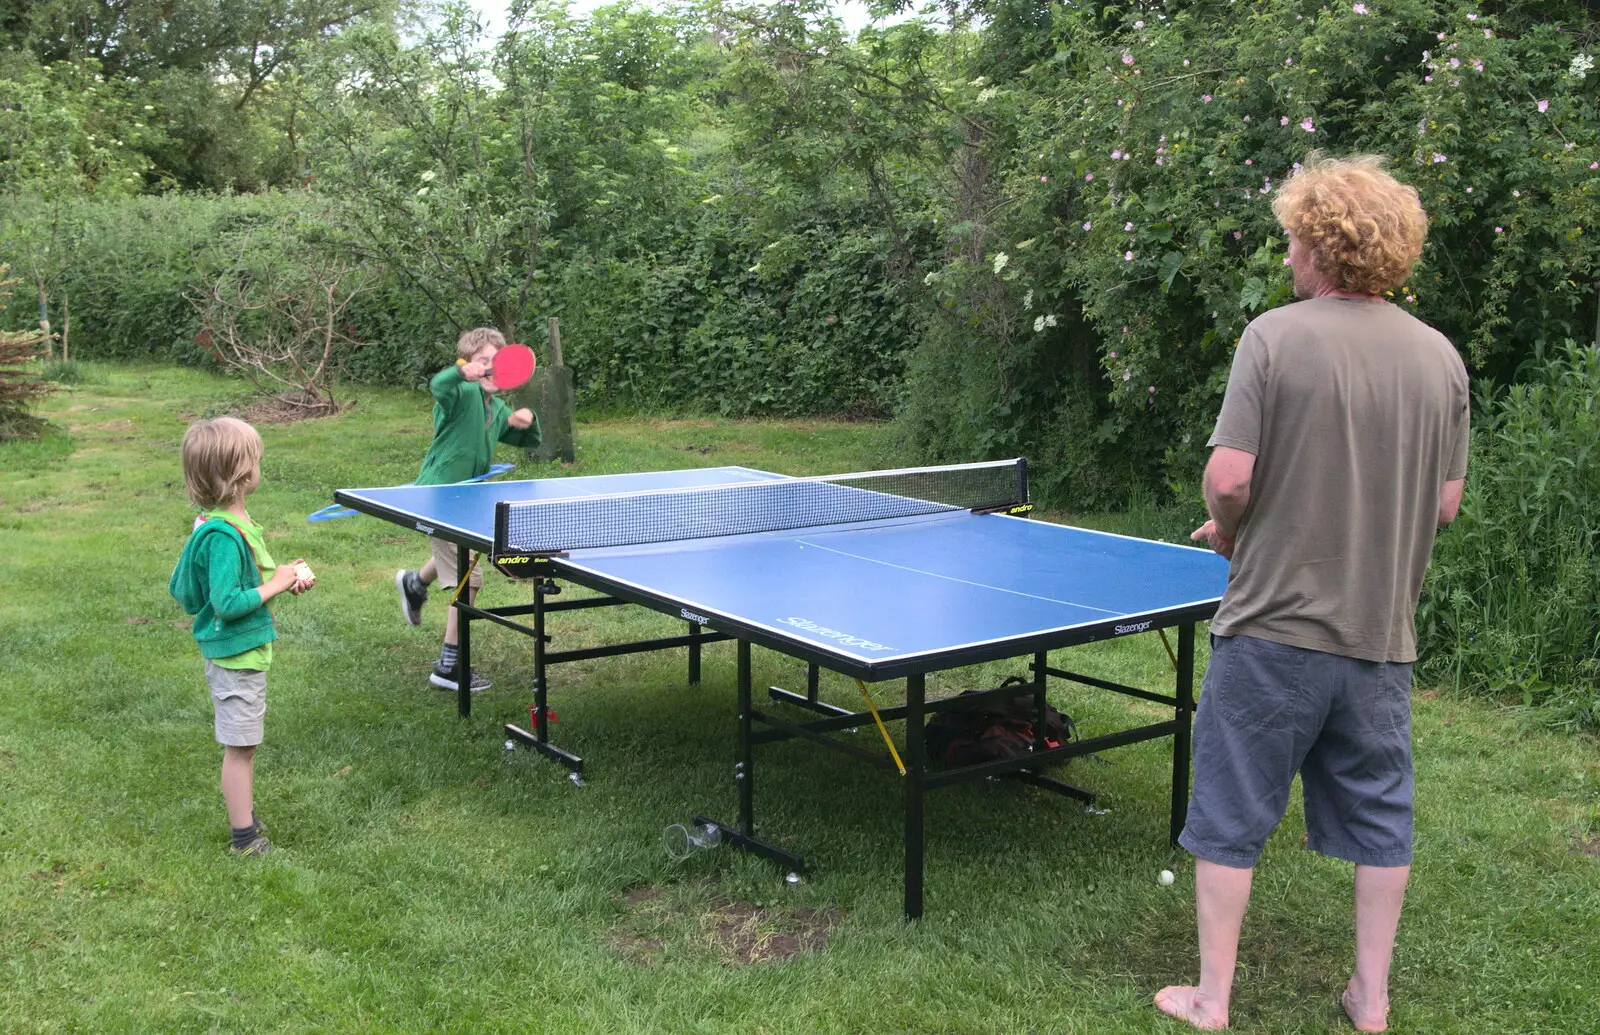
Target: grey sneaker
258 846
445 679
413 594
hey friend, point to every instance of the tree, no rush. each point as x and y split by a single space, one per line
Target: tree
19 389
460 170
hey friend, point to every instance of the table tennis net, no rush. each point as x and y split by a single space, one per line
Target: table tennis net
667 515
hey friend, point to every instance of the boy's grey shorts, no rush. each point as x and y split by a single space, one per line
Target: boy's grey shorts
1268 710
239 703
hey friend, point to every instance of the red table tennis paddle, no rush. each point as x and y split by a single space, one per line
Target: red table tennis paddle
513 365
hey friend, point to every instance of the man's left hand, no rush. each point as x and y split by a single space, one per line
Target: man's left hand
1214 539
522 418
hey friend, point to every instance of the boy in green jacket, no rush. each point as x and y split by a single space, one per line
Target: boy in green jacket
224 578
467 422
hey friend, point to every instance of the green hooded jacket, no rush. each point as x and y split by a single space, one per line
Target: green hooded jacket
216 580
466 425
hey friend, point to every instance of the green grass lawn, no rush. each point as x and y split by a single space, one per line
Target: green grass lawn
429 880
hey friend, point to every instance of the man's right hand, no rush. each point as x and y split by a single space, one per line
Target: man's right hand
473 371
1214 539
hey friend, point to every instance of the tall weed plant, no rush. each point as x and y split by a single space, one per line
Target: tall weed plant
1512 601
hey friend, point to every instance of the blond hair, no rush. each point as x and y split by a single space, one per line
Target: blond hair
475 339
219 458
1364 227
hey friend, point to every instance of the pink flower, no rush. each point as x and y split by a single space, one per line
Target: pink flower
1359 8
1469 190
1437 158
1455 62
1124 331
1088 225
1499 229
1238 235
1127 256
1113 355
1088 177
1308 125
1206 97
1411 298
1543 106
1288 61
1127 58
1488 35
1126 375
1160 160
1044 179
1127 226
1286 260
1439 36
1152 389
1249 161
1594 165
1472 17
1284 121
1427 78
1185 62
1116 154
1477 66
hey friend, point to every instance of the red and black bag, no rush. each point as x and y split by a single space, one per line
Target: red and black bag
998 729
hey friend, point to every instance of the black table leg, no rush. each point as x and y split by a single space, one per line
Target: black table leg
744 770
915 774
464 632
1180 738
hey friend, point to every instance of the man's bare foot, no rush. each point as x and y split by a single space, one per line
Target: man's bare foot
1365 1016
1186 1003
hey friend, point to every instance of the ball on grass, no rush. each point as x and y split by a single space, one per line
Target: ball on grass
1166 877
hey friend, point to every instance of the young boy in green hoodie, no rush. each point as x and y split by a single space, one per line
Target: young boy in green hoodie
224 578
468 420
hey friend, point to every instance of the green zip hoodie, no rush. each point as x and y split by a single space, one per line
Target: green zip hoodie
466 425
216 580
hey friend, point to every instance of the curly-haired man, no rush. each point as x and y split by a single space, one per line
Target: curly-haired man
1340 449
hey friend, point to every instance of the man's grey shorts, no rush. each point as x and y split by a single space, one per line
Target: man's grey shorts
1268 710
239 703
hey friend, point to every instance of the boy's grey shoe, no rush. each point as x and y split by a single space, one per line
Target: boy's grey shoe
445 679
258 846
413 594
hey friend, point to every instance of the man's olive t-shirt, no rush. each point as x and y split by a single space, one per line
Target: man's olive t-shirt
1357 414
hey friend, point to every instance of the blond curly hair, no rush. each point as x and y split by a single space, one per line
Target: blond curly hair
476 338
1364 227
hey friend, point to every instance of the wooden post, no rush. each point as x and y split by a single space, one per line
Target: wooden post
549 393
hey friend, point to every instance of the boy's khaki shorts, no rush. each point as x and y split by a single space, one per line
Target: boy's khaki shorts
444 563
238 704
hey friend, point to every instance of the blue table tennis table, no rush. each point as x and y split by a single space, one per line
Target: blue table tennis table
886 575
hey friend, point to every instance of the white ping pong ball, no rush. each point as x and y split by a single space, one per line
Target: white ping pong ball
1166 877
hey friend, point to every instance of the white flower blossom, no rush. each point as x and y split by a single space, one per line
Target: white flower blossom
1050 319
428 176
988 94
1038 324
1027 300
1580 66
930 278
1000 261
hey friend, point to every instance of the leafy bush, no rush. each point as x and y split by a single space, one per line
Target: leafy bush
1512 600
1129 158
